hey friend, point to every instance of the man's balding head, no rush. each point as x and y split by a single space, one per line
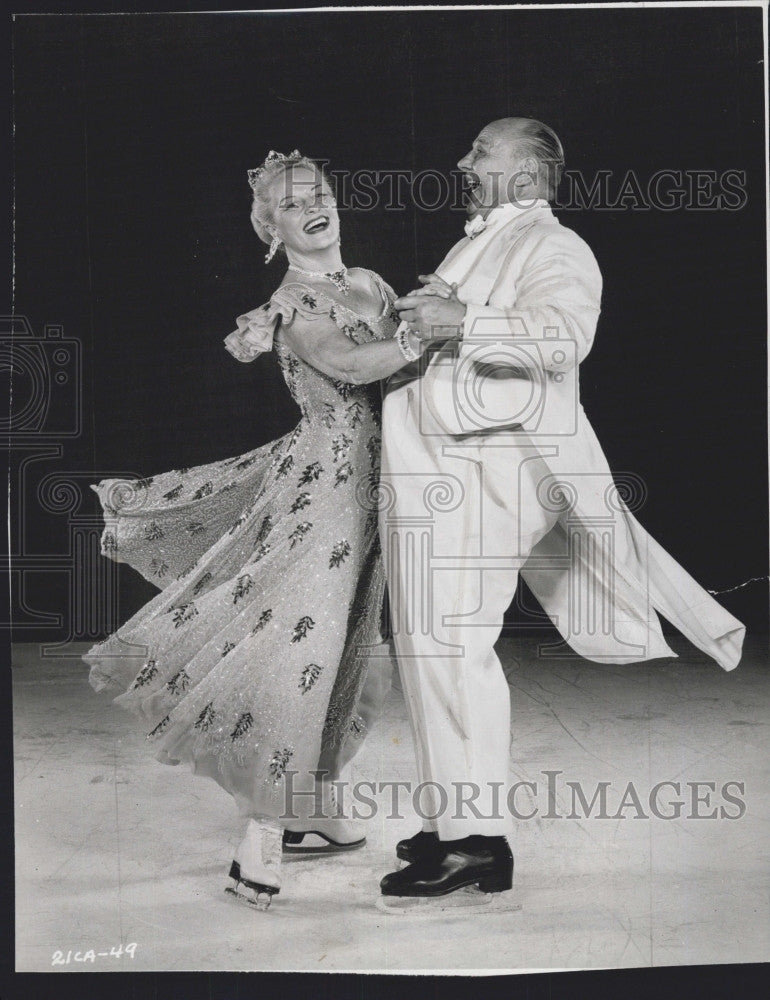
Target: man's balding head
514 159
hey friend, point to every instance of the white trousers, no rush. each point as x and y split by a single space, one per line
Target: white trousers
454 539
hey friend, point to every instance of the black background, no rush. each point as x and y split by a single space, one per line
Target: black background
133 135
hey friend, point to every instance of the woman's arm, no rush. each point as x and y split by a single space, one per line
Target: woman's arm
322 344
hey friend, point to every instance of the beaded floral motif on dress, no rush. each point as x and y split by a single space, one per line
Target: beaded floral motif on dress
285 501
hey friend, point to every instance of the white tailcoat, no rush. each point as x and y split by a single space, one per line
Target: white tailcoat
491 468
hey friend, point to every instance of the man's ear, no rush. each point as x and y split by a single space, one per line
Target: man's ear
529 165
524 178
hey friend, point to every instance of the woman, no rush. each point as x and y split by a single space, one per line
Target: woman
271 583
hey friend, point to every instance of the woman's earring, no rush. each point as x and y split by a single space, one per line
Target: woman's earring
275 243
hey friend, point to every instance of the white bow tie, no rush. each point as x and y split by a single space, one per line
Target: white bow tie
475 226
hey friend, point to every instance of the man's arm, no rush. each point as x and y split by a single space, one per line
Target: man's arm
558 297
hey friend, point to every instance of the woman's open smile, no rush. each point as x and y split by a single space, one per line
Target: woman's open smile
317 225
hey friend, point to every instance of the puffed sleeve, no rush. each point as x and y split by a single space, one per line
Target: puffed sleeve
256 329
389 291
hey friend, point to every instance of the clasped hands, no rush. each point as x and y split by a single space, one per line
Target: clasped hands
434 311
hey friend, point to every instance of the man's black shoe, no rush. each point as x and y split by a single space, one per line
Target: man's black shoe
483 861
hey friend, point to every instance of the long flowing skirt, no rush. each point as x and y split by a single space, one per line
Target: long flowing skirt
250 660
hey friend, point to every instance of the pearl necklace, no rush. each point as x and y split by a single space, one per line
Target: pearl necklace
338 278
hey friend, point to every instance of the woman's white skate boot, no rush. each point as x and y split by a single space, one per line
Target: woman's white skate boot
257 864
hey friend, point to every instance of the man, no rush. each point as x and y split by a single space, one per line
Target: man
492 471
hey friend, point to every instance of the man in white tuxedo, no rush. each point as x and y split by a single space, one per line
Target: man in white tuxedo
491 470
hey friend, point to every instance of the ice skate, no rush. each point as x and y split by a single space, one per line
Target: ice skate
475 873
330 834
257 865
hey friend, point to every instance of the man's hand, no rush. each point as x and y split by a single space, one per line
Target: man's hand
431 317
434 284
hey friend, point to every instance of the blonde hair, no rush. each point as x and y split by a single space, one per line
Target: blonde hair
261 208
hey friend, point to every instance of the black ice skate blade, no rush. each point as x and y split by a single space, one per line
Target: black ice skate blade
469 899
292 840
262 894
261 902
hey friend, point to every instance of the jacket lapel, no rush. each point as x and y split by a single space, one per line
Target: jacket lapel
475 264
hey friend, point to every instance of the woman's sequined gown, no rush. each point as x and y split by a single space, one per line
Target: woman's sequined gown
251 658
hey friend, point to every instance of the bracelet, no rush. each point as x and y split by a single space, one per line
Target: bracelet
407 351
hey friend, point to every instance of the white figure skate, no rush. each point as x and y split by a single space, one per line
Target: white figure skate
256 867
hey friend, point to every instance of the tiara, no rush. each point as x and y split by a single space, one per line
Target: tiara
271 158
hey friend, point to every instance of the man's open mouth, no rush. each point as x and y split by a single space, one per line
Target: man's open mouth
316 225
471 182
